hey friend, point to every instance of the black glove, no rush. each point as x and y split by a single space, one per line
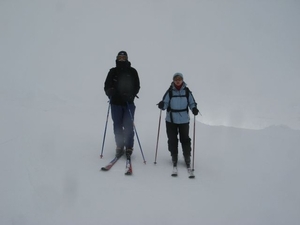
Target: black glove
111 92
161 105
195 111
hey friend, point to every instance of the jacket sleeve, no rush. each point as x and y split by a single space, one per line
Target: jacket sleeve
137 82
109 82
192 102
166 99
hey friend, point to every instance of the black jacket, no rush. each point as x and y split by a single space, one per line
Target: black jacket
122 83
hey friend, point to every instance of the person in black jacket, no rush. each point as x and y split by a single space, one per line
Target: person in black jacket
122 85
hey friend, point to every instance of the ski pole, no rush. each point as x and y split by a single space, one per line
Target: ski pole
101 155
136 132
157 136
193 164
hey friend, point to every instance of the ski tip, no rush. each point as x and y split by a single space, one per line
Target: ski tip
174 175
192 176
108 167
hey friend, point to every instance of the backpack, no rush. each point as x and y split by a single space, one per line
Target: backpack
187 94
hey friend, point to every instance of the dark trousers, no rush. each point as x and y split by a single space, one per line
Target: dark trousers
123 124
172 132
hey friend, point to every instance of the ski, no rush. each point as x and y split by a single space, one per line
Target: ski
174 172
128 169
191 173
110 164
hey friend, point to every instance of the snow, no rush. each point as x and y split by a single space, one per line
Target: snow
242 67
50 172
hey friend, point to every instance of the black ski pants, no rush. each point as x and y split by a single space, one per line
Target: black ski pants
172 132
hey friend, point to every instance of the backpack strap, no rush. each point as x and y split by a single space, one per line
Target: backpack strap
187 94
169 109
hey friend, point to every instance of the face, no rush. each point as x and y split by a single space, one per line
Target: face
178 80
122 58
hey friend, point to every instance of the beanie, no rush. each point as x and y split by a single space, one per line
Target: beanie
178 75
122 53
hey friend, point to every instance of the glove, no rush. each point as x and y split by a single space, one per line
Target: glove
195 111
110 92
161 105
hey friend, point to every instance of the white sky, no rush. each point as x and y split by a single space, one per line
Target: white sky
240 58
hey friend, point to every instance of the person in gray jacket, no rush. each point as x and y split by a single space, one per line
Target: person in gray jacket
178 99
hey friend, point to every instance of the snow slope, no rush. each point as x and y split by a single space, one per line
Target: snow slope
50 172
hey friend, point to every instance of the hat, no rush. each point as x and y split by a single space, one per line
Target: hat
178 75
122 53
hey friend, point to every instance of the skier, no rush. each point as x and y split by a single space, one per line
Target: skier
122 85
177 100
